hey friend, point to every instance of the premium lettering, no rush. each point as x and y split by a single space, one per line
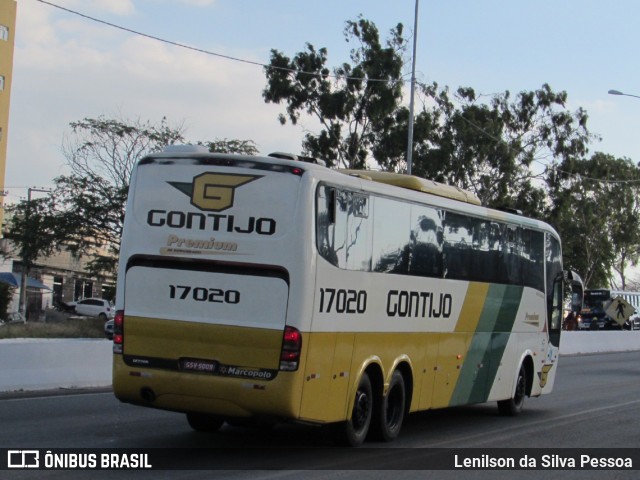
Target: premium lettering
211 244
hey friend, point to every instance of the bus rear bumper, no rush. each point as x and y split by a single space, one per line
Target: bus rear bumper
226 397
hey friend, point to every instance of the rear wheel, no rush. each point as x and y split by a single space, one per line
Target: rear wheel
391 410
354 431
513 406
201 422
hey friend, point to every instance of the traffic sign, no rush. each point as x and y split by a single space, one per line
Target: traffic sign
619 310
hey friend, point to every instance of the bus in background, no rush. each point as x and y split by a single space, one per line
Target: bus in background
270 287
593 315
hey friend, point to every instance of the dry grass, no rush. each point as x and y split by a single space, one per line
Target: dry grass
56 325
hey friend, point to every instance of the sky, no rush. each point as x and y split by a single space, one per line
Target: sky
68 67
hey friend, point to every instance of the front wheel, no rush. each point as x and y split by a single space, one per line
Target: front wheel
513 406
354 431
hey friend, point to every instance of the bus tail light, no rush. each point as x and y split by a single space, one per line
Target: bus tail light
291 348
118 332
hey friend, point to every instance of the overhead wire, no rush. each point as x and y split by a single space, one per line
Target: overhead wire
215 54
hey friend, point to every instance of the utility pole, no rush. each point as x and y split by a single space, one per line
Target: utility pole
413 87
22 308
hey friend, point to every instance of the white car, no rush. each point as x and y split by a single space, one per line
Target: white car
95 307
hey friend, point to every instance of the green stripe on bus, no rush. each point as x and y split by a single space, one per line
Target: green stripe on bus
486 348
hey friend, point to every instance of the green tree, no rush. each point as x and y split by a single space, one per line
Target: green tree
390 137
92 215
497 146
6 294
101 153
500 147
35 230
596 211
351 102
108 148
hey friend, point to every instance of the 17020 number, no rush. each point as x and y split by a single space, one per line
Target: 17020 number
339 300
202 294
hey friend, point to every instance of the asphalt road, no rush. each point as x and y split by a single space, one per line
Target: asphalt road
595 404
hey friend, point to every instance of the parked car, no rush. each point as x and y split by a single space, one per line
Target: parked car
95 307
108 329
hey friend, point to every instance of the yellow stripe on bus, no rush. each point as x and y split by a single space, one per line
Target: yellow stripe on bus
472 307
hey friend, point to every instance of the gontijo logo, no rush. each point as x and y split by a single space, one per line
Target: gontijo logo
213 191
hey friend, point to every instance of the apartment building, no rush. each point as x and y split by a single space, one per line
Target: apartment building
7 38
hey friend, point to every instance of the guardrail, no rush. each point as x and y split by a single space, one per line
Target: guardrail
43 364
577 342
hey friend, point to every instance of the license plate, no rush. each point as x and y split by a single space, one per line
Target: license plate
198 365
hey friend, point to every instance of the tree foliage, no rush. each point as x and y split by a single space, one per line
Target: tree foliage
496 146
597 213
526 151
101 153
108 148
500 149
85 210
34 230
92 215
351 101
6 296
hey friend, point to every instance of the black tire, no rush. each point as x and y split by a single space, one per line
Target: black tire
391 410
103 317
354 431
201 422
513 406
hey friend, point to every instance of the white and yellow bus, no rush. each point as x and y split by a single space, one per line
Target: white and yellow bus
269 287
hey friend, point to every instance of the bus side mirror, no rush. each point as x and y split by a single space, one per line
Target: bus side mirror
577 290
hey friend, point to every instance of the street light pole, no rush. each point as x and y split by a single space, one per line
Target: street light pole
618 92
22 307
413 87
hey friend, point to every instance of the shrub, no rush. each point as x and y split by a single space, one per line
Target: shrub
6 295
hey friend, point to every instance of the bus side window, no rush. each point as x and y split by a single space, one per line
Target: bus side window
427 239
391 236
342 206
358 235
331 224
458 246
513 255
532 259
343 228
